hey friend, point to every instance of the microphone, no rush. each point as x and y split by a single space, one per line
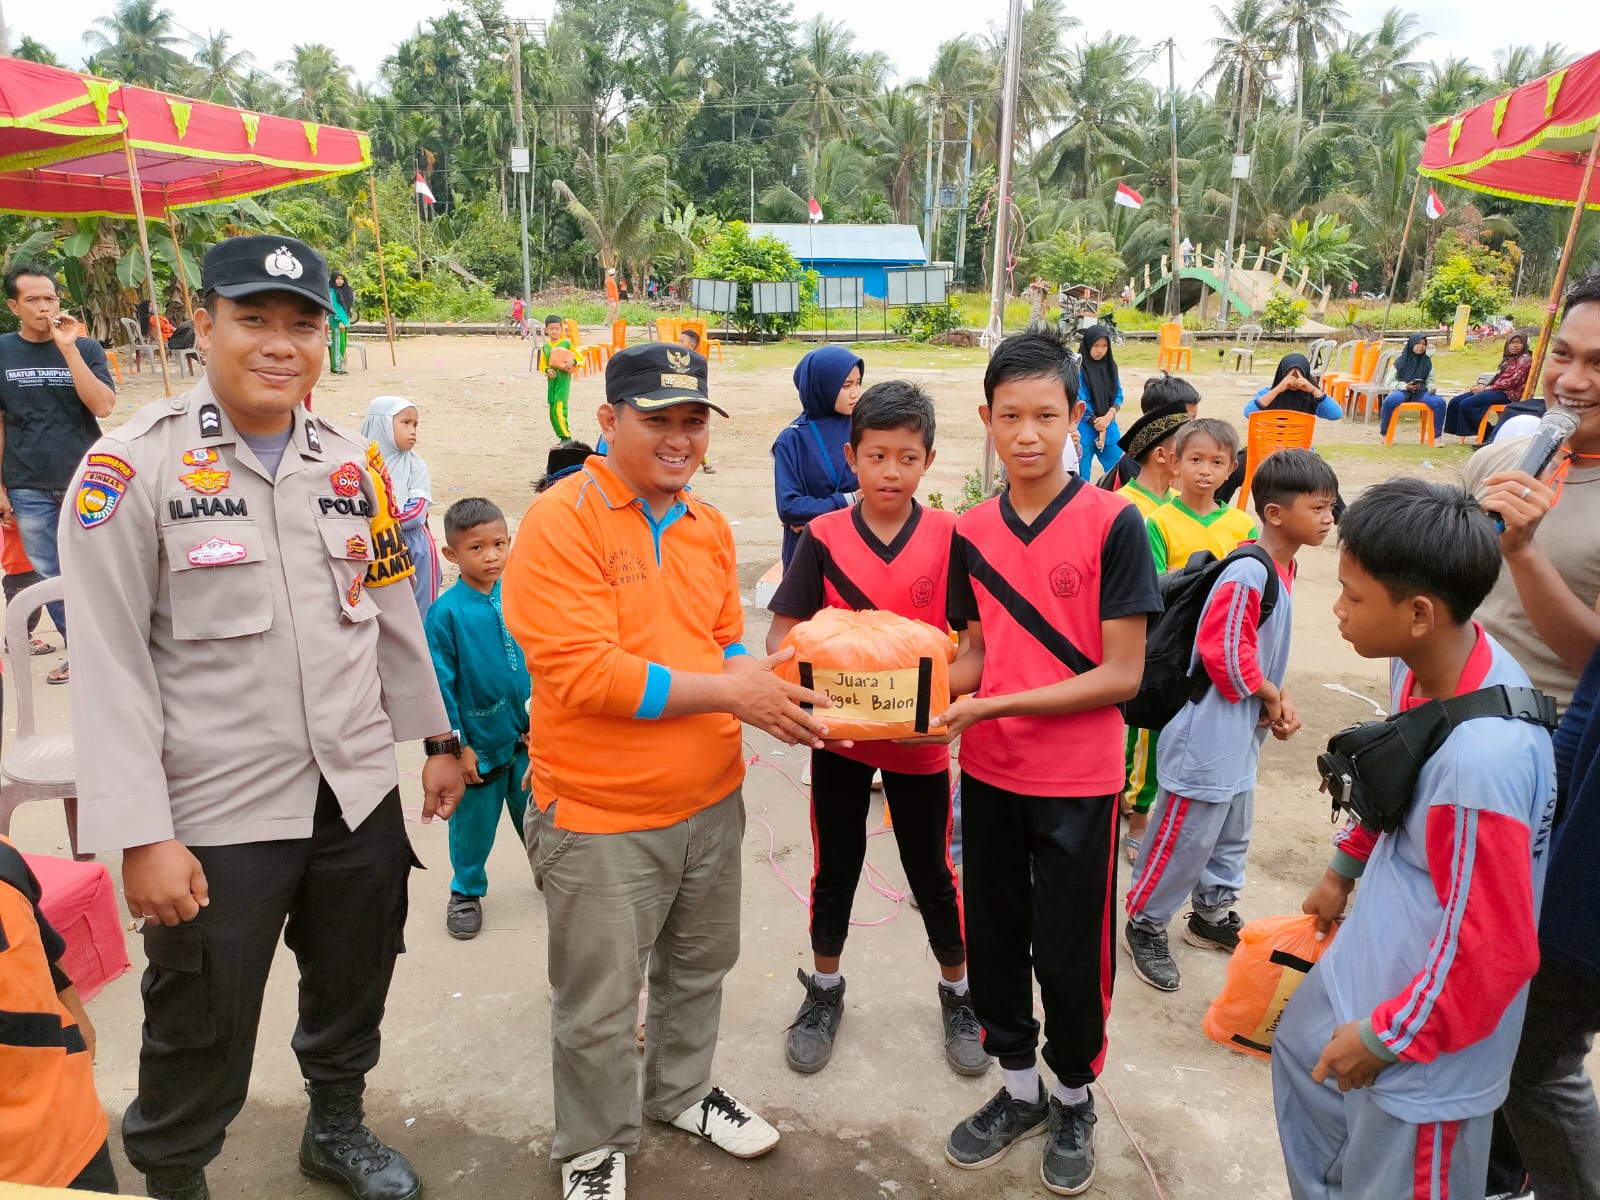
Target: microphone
1555 427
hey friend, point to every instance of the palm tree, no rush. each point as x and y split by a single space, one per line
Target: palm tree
1045 59
219 68
138 43
319 84
1451 86
1517 65
1389 51
830 77
618 201
898 127
1104 105
1307 26
1250 39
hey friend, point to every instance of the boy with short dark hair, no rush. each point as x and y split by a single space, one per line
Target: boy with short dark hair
485 684
1207 754
1395 1051
1051 585
1193 519
888 553
559 389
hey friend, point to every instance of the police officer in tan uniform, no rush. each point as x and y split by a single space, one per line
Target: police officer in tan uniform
244 670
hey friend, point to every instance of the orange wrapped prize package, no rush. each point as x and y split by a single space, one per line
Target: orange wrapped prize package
1274 955
562 359
887 675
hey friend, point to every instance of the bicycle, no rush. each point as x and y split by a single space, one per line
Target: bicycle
510 327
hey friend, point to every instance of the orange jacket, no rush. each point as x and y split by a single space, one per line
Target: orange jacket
611 288
51 1121
607 603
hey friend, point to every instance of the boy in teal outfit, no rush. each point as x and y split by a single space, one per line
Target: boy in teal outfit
485 684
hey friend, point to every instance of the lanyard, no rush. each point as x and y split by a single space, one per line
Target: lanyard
827 459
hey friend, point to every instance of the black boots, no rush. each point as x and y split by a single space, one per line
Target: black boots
339 1148
179 1184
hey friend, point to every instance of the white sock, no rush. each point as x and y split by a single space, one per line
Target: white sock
830 980
1023 1085
957 986
1069 1095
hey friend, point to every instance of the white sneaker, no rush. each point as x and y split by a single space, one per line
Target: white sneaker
727 1125
598 1175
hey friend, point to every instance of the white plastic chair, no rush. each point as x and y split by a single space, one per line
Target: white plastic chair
35 766
1373 392
139 346
1245 347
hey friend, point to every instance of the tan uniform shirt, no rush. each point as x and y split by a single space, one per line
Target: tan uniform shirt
1567 536
228 649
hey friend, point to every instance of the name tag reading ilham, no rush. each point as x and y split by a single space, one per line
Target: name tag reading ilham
887 676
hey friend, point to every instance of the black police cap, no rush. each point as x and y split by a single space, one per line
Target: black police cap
247 266
658 375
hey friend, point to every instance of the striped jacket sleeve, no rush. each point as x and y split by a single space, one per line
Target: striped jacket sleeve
1226 638
1486 946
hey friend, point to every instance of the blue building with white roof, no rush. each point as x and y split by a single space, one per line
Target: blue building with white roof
842 251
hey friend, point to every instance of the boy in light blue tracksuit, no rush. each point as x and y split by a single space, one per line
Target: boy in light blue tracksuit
1392 1056
485 683
1199 829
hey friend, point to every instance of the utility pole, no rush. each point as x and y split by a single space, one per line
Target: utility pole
521 160
1172 85
1233 209
5 37
927 191
995 329
966 200
752 193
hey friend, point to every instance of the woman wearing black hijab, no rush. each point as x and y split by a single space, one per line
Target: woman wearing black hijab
1292 390
1100 389
1413 371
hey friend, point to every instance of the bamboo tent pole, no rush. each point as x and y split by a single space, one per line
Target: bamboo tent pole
183 276
1400 258
149 266
1560 282
383 279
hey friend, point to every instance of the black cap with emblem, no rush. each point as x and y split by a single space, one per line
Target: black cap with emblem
658 375
247 266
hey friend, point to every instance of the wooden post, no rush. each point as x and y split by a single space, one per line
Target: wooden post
183 276
1400 257
149 267
383 279
1561 271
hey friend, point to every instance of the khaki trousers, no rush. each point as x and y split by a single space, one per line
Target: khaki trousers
616 902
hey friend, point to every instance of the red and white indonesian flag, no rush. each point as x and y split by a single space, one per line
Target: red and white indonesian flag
1435 209
422 189
813 210
1127 197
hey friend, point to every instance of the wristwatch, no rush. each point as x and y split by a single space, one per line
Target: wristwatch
449 744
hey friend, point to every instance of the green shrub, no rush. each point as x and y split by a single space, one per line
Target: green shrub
1457 281
1283 313
733 254
971 493
922 322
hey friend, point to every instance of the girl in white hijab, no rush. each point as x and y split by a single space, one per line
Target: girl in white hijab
391 422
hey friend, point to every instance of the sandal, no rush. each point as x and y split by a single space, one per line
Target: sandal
38 647
61 674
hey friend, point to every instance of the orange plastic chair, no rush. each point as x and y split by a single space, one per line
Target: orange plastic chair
664 331
111 357
594 358
1493 414
1271 431
1173 353
1424 426
707 342
619 336
1366 364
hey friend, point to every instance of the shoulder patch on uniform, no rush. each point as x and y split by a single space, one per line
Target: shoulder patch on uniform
313 439
105 478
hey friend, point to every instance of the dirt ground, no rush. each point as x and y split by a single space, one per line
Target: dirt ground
464 1087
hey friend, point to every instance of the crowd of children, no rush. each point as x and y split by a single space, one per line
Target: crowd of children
1390 1058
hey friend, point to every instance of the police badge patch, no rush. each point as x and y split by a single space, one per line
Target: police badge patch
105 479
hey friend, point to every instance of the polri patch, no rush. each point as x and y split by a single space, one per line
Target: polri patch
202 456
208 481
353 596
105 479
356 547
217 552
346 480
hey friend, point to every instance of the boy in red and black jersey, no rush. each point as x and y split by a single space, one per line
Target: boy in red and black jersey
1051 585
885 552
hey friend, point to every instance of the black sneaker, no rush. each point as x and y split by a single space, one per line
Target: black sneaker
1152 960
810 1042
963 1036
1068 1166
463 916
986 1135
1213 935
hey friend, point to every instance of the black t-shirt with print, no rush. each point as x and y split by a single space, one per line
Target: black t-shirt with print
48 428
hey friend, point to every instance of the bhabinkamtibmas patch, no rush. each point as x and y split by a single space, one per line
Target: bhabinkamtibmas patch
391 558
105 479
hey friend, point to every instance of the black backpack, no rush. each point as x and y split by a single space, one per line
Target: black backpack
1168 682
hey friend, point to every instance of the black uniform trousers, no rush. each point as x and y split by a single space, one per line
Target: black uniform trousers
841 793
342 893
1039 885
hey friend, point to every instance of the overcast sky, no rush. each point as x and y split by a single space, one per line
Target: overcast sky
907 30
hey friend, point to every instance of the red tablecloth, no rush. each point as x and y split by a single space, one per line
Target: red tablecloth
81 904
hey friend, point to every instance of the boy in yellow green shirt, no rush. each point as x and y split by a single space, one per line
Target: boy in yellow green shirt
559 389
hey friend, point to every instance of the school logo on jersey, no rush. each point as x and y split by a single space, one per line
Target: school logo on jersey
624 567
346 480
105 479
1065 580
208 481
922 592
203 456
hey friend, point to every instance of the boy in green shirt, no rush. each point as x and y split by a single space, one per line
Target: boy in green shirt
560 386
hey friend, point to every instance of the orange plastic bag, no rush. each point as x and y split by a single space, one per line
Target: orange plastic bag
562 359
1274 955
888 676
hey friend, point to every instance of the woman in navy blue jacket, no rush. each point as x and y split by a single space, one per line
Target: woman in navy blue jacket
810 474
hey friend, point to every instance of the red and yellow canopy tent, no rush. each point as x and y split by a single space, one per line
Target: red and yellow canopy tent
74 145
1537 142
